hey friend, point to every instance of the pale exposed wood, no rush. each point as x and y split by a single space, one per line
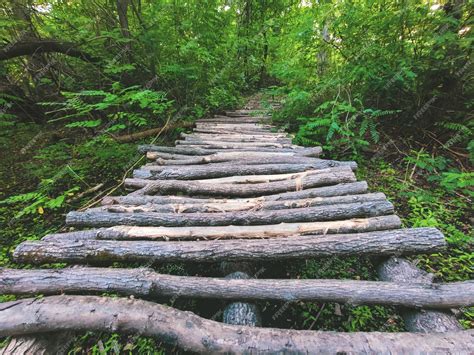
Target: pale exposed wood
232 232
193 333
392 242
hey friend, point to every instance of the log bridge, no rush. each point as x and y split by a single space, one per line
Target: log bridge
237 192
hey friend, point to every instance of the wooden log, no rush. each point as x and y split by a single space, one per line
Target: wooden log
208 171
237 136
232 146
147 283
143 177
309 214
319 178
221 157
381 243
229 139
352 188
193 333
231 232
227 131
202 151
256 204
236 144
425 321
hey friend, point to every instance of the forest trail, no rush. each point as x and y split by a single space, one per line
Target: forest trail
237 192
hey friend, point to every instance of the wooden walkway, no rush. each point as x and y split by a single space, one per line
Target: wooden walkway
237 192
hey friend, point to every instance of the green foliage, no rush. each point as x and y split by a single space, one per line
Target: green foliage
341 124
122 108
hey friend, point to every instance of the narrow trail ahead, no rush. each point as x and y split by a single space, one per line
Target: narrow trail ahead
238 192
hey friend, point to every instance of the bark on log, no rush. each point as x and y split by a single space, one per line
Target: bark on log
191 332
234 144
241 313
309 214
241 205
208 171
221 157
358 187
237 138
425 321
226 131
231 232
147 283
331 176
201 151
381 243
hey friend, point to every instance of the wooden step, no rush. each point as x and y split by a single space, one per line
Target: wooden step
147 283
95 218
380 243
231 232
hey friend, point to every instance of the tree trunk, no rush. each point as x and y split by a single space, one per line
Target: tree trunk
381 243
193 333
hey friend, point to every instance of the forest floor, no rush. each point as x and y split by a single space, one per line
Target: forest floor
44 163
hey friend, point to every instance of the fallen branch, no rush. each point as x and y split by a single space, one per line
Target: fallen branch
151 132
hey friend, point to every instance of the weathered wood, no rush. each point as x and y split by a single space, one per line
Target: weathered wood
231 232
226 131
241 205
208 171
234 144
307 214
358 187
193 333
381 243
147 283
40 344
221 157
237 137
202 151
426 321
319 178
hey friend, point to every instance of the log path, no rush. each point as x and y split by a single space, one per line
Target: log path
237 192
